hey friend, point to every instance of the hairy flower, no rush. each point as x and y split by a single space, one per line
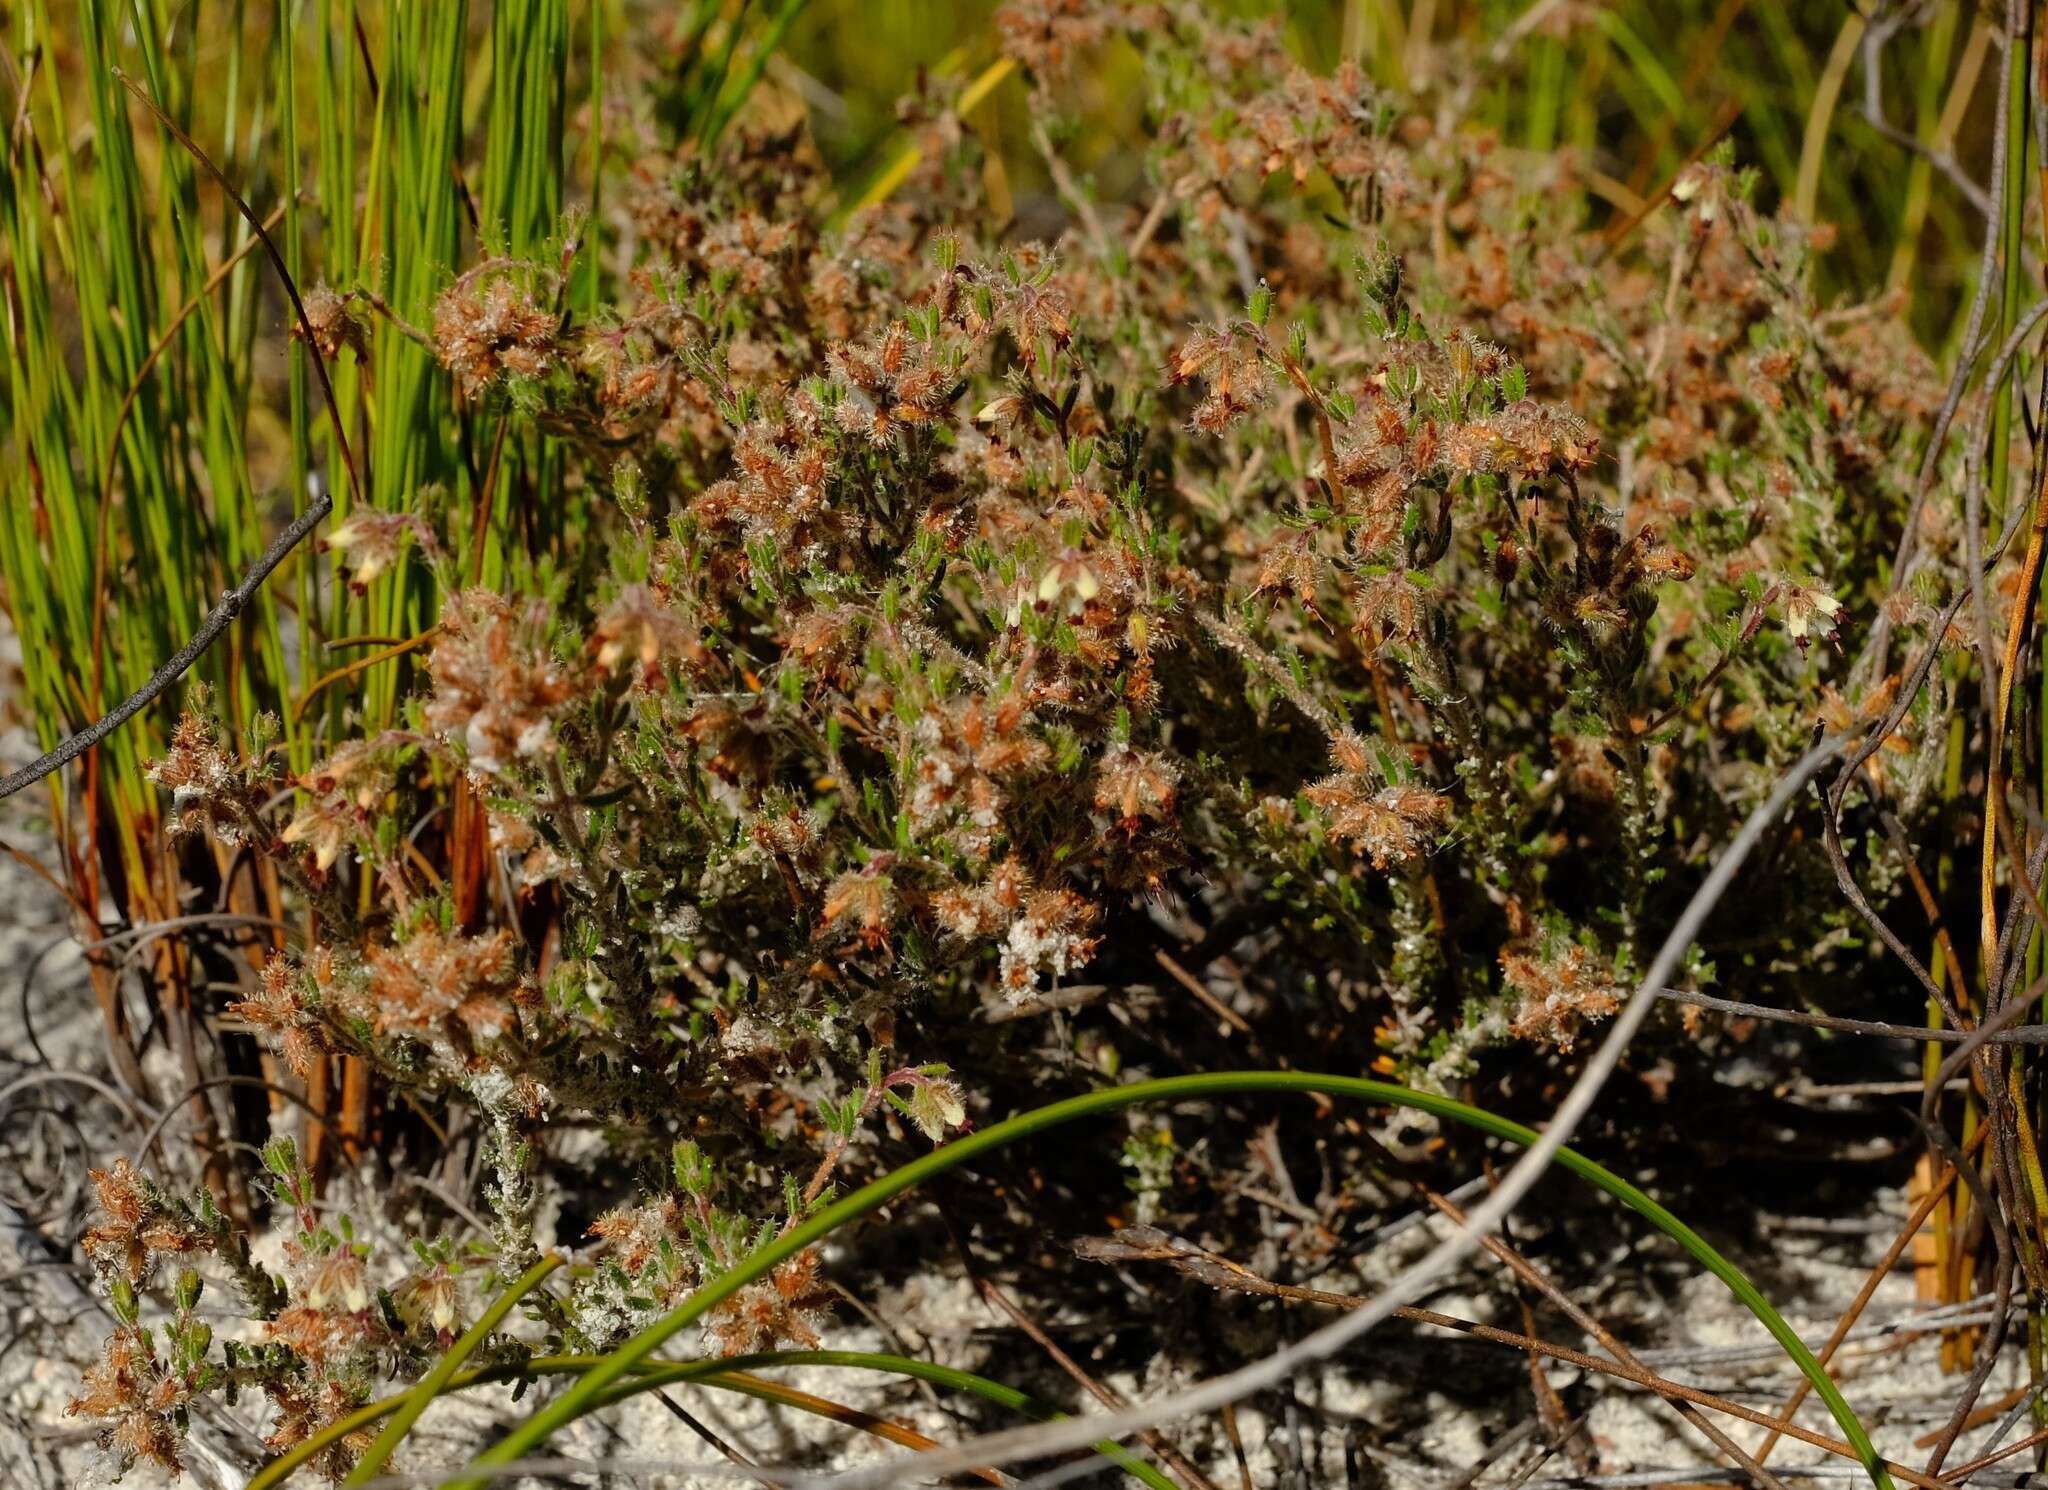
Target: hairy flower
980 910
1231 364
335 321
325 829
210 791
1808 609
1538 438
1046 36
333 1278
936 1104
278 1008
786 1307
864 900
139 1226
370 541
968 749
455 992
342 793
495 689
1134 786
1391 824
643 626
1048 937
1556 992
139 1400
430 1300
488 330
309 1405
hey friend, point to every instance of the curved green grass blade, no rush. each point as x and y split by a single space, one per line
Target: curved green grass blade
945 1376
589 1392
721 1373
435 1382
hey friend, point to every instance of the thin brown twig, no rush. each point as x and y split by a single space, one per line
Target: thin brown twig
1070 190
1535 1278
1152 1438
1864 1294
1201 994
1930 905
725 1450
43 872
1230 1431
2029 1035
1724 120
349 669
2032 1440
1708 679
1986 1413
1133 1243
1142 239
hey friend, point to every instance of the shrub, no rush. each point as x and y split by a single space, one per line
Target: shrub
1355 556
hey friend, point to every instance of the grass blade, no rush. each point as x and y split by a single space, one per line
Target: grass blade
730 1373
590 1391
436 1381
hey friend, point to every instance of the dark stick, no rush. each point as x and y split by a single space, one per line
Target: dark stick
231 603
2028 1035
180 661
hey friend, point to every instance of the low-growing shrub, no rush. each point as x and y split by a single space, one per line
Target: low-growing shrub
1359 557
